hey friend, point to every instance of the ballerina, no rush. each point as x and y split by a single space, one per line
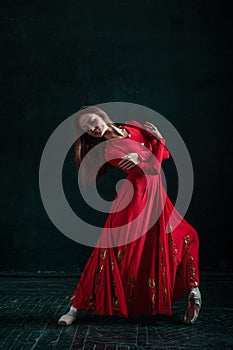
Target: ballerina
146 269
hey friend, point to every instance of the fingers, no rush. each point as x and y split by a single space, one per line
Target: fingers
150 126
125 158
152 129
129 166
126 163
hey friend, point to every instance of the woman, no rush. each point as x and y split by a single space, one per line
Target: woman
137 266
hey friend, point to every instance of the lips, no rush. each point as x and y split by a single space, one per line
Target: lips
97 131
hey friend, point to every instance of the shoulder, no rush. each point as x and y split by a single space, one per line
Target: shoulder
135 124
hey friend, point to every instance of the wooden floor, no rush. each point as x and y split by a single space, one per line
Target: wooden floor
30 308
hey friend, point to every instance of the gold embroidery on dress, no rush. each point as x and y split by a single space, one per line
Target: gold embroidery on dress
175 249
192 278
132 283
193 281
115 302
91 304
153 301
152 285
193 269
164 268
164 277
187 240
151 282
97 279
103 254
120 255
98 276
161 246
112 265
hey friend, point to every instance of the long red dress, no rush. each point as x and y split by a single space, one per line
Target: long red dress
137 266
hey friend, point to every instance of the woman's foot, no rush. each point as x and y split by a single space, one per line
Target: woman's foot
194 306
68 318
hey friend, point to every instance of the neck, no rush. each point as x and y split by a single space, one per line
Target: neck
113 132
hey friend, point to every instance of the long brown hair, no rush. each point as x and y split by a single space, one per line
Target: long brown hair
85 143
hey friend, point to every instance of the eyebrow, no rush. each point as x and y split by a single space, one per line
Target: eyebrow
89 119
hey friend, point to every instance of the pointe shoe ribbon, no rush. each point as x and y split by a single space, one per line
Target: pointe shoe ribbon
194 306
68 318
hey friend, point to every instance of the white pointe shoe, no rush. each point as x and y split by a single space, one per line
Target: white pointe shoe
68 318
194 306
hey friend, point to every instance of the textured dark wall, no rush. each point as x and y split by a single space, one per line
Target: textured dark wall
172 56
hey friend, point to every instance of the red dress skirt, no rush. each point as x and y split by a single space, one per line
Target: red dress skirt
138 266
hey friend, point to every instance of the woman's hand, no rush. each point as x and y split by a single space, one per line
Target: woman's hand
153 130
129 161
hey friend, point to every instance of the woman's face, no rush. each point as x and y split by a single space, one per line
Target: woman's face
93 124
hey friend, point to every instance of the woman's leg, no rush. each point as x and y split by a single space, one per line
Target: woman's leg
191 263
187 280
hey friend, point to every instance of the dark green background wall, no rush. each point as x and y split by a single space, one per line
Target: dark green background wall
172 56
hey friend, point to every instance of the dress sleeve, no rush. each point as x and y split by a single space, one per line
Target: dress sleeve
166 153
151 161
149 164
146 155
